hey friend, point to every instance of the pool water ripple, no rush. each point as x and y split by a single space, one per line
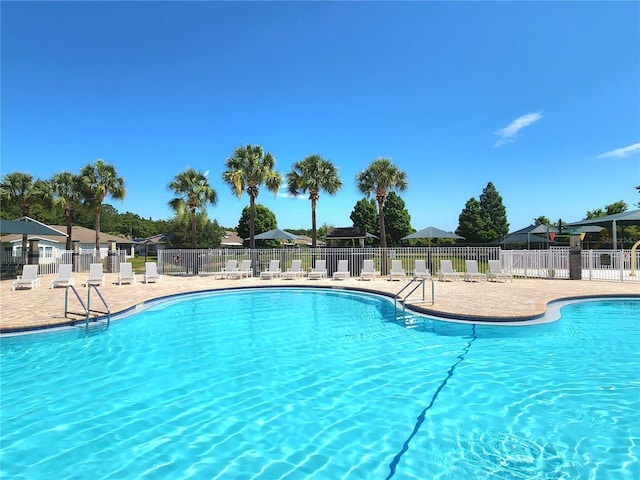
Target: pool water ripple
314 385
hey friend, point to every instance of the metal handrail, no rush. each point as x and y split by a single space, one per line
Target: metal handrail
66 302
421 281
108 312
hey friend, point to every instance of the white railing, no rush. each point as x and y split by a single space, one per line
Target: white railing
49 265
209 261
613 265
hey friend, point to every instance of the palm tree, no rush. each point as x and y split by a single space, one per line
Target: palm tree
21 188
249 168
312 175
193 193
67 192
99 180
378 178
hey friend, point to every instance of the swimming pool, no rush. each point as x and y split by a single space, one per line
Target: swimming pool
318 384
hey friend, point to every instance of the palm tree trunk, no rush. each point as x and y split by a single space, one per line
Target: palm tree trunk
69 217
194 242
314 233
98 212
252 222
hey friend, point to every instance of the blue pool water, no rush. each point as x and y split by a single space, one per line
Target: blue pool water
320 384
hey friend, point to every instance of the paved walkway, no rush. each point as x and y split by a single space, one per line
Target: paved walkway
28 309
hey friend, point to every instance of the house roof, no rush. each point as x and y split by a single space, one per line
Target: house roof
81 234
231 239
348 233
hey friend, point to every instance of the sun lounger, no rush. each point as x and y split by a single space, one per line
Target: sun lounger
151 272
495 271
342 273
126 275
244 270
96 275
397 272
232 266
295 271
28 279
367 272
319 271
64 277
272 271
420 270
472 272
447 272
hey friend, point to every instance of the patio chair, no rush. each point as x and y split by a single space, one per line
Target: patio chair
447 271
342 273
96 275
420 270
126 275
64 277
367 272
28 279
495 271
272 271
319 271
295 271
151 272
232 266
472 272
244 270
397 272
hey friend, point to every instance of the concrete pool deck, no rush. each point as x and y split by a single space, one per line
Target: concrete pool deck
42 307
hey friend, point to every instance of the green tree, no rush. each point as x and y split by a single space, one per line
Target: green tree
193 194
249 168
21 189
67 194
378 179
313 175
494 214
179 233
397 219
99 180
263 221
471 221
365 215
541 220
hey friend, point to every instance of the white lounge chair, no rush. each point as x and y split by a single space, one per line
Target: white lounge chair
495 271
244 270
447 271
151 272
96 275
367 272
28 279
319 271
272 271
342 273
126 275
420 270
232 266
397 272
295 271
64 277
472 272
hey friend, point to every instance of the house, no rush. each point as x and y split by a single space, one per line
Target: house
231 239
51 246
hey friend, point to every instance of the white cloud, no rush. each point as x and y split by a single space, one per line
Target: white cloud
621 152
286 194
509 133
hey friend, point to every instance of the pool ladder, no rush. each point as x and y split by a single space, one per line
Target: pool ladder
101 322
417 282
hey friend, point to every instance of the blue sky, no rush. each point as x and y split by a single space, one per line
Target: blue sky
540 98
